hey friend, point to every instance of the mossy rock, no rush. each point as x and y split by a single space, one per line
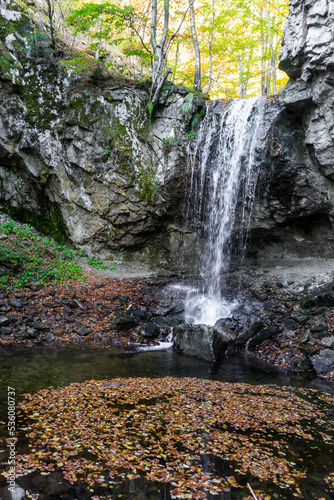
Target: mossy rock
83 113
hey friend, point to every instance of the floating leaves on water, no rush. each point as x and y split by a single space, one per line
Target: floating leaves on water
197 436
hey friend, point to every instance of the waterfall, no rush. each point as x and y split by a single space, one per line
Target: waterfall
223 177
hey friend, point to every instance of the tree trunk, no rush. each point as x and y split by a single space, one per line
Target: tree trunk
243 81
210 48
263 58
51 11
176 59
197 76
267 88
160 71
97 53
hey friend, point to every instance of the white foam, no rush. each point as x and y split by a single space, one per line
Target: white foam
207 309
167 344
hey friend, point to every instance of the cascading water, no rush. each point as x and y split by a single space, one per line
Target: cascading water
223 181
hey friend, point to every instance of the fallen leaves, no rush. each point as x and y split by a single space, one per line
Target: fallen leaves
196 436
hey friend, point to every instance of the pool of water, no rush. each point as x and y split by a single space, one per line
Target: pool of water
29 370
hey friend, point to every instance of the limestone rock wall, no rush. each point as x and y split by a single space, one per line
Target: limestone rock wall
89 150
308 59
294 209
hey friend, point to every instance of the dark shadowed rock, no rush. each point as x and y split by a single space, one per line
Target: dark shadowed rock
264 334
46 337
4 321
323 362
289 323
226 334
36 287
17 304
82 331
5 331
199 341
150 330
168 306
140 314
52 485
167 321
320 326
25 334
124 322
321 299
301 319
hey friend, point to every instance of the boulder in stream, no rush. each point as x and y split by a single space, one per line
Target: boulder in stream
323 363
199 341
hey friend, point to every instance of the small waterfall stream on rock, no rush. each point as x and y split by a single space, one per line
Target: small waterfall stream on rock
223 177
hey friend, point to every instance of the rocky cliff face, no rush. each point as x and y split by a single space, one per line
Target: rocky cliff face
295 204
86 154
308 59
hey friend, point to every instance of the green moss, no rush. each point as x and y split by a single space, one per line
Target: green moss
33 93
6 62
81 112
147 183
52 224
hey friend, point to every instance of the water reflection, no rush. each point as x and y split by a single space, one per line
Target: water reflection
31 370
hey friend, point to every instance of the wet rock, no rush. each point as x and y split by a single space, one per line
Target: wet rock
124 322
226 334
230 323
4 321
140 314
264 334
5 331
323 362
16 303
301 319
41 327
46 337
199 341
29 333
256 327
36 287
5 308
297 361
168 306
321 299
121 299
258 295
76 303
289 323
319 326
50 305
305 337
150 331
82 331
327 342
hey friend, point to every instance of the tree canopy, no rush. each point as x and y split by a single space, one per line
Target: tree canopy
226 48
